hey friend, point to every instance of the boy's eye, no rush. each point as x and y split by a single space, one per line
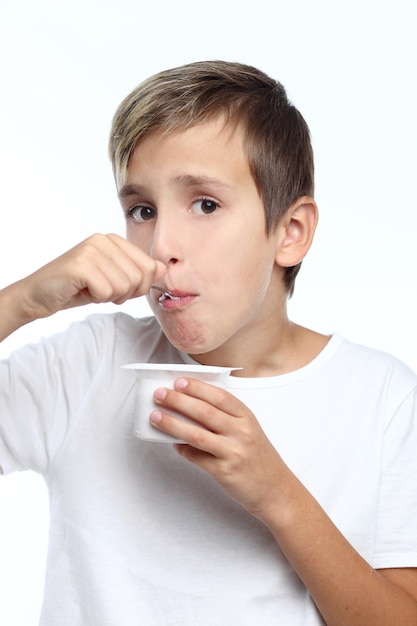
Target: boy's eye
205 206
141 213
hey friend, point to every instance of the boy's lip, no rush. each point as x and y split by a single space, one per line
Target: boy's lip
174 293
172 298
177 302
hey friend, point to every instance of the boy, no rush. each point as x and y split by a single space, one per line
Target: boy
296 503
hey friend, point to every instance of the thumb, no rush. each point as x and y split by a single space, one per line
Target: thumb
161 270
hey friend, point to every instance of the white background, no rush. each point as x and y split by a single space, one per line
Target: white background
350 67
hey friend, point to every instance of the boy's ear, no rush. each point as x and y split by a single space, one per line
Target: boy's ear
295 232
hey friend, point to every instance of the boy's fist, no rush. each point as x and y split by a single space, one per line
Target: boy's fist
103 268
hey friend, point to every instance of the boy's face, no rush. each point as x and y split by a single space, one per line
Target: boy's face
191 203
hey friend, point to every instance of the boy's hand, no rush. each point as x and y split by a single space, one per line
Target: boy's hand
103 268
231 447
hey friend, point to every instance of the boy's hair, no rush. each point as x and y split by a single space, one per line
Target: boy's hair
276 137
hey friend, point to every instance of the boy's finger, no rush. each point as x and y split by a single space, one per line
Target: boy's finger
194 435
203 410
212 394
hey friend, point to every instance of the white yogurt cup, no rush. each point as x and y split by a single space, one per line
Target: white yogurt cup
151 376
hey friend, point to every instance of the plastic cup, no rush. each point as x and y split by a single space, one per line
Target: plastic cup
151 376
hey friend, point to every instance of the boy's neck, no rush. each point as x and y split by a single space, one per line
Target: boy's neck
286 348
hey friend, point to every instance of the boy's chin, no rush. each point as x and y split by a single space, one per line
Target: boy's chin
190 340
186 338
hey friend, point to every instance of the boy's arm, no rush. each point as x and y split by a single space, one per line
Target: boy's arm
12 314
103 268
236 452
345 588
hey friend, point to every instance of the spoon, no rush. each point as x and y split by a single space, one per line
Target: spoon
165 293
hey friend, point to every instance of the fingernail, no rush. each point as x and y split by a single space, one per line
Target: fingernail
156 417
181 383
160 394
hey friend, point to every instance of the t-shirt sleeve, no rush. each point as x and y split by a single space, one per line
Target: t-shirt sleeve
41 389
396 541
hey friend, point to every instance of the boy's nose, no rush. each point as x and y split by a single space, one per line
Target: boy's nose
166 242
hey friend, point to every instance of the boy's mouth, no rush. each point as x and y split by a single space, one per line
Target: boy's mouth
173 299
167 296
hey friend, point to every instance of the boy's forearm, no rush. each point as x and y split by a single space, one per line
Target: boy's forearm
345 588
13 314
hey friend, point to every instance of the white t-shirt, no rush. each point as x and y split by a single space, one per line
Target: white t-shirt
139 536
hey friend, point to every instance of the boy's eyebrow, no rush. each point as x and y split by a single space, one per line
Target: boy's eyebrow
185 180
188 180
129 190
